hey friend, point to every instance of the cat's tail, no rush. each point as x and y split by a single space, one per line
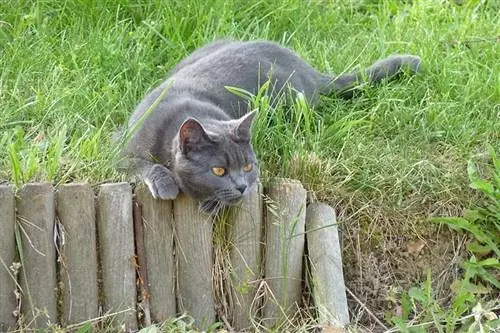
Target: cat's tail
347 84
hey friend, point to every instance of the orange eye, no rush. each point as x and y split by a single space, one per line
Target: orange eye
248 167
219 171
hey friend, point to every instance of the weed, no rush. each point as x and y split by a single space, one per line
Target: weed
474 296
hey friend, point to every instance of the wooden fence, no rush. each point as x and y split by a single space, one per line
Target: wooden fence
69 255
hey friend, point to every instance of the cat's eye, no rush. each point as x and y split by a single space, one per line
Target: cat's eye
218 171
248 167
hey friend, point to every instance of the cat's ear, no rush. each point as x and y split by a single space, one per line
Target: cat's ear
244 126
192 136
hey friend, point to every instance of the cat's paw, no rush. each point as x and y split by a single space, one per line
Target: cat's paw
161 183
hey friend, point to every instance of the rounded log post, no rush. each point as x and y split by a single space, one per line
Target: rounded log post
116 245
158 246
246 260
325 259
8 300
285 237
36 217
193 250
78 263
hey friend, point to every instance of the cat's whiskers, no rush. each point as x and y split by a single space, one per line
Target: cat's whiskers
211 205
228 195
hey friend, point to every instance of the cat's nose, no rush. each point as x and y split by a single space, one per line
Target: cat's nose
241 188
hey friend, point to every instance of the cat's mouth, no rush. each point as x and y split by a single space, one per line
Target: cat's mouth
228 196
234 201
214 205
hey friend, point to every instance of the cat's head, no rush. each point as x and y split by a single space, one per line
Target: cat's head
215 165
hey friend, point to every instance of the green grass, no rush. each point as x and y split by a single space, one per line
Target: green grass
72 71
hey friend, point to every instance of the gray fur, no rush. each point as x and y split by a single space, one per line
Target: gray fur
199 124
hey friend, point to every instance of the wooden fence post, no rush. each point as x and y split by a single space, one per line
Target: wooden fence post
193 250
246 260
325 260
116 245
78 264
8 302
186 277
285 237
159 247
36 217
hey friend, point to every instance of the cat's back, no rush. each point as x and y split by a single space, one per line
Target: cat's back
246 65
205 51
227 56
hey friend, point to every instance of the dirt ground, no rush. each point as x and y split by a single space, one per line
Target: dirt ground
379 264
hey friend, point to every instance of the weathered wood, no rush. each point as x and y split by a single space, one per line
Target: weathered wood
284 229
78 262
159 249
116 245
36 216
142 284
193 250
8 301
325 258
246 258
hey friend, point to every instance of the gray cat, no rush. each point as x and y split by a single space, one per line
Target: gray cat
197 138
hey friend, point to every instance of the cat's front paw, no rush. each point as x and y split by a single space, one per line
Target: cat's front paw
161 183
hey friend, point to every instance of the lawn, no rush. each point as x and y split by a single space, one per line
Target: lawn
72 71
